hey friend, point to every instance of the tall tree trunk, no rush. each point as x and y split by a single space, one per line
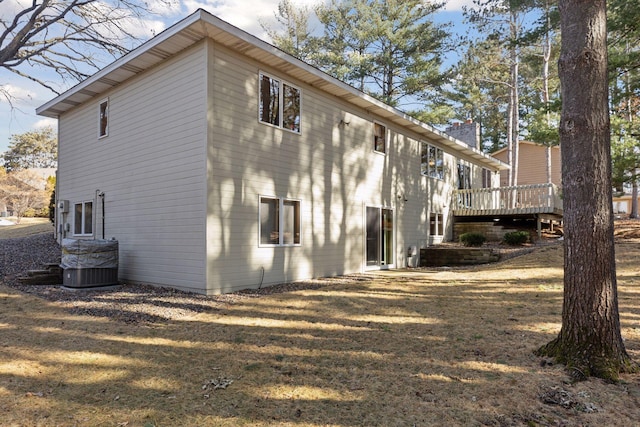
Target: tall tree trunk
634 197
629 118
510 144
515 101
589 342
546 58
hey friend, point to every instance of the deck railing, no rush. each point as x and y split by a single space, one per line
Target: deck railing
515 200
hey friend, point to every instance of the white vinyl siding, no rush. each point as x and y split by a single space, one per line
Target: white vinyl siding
330 166
184 171
152 171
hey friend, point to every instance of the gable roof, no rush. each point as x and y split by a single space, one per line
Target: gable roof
202 24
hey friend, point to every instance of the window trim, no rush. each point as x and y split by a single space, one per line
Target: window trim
281 95
436 172
83 218
465 175
103 131
438 221
386 137
281 222
487 178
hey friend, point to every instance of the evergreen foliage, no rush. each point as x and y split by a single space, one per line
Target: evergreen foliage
472 239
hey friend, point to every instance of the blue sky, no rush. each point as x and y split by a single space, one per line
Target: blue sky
27 96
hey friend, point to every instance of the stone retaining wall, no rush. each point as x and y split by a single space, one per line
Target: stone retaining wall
442 256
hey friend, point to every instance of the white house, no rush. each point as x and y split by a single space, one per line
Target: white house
220 163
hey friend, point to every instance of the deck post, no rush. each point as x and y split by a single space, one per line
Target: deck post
539 226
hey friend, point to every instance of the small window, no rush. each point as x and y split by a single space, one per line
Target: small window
379 138
464 176
465 199
83 218
279 221
436 224
432 161
486 178
103 121
269 100
291 108
279 104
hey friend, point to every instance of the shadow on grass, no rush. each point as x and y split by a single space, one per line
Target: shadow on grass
450 347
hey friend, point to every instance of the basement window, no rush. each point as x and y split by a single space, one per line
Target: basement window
83 219
436 224
279 222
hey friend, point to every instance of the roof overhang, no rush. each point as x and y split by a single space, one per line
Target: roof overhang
201 25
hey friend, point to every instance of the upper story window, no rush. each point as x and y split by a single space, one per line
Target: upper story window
279 103
486 178
103 119
379 138
432 161
83 218
279 221
464 176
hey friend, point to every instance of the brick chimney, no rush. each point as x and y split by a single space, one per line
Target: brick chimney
467 132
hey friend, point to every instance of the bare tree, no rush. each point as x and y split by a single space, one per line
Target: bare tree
64 35
590 341
23 190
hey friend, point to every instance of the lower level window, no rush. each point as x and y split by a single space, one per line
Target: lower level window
436 224
279 221
83 218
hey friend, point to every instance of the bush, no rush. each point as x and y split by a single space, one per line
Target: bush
29 213
472 239
516 238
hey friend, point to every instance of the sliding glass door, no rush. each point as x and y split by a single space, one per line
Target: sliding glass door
379 237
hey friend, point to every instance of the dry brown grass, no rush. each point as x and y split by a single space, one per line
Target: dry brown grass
27 227
431 347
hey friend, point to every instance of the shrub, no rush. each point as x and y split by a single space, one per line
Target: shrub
29 213
472 239
516 238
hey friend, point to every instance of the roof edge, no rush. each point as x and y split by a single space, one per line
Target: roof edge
149 44
204 18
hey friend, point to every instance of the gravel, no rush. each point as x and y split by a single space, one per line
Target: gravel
126 303
26 253
131 303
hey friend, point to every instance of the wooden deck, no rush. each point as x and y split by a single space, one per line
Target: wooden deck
536 199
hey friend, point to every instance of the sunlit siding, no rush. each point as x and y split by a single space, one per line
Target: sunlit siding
151 168
331 168
186 161
532 164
